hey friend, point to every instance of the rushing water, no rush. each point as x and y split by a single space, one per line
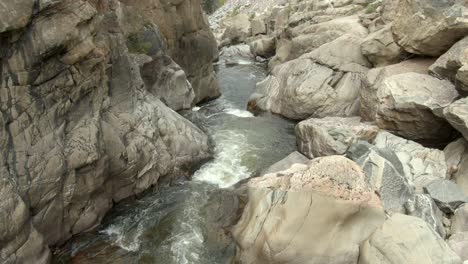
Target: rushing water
188 222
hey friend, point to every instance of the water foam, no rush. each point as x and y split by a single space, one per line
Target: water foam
125 239
226 168
238 112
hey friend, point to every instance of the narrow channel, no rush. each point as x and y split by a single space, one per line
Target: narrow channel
187 222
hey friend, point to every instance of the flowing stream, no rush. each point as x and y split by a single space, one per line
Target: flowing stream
187 222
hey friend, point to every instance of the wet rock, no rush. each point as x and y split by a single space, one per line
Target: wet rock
450 65
429 27
411 105
421 165
286 163
406 239
331 135
327 199
380 48
374 78
446 194
422 206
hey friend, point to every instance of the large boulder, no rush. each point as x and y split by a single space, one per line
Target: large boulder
456 154
421 165
374 78
460 220
451 65
331 135
459 243
411 105
327 200
424 207
430 27
406 239
286 163
237 28
310 87
380 48
264 47
457 115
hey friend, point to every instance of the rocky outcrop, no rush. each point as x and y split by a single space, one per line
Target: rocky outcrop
331 135
421 165
82 118
406 239
429 27
375 77
411 105
380 48
452 65
324 82
327 199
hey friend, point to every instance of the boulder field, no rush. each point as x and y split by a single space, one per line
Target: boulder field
378 91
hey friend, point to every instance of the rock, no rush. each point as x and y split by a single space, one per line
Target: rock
373 82
429 27
456 116
384 173
411 105
388 10
448 66
286 163
454 155
258 26
15 14
460 220
81 123
236 54
406 239
459 243
331 135
422 206
264 47
304 88
237 28
447 195
421 165
167 81
380 48
326 199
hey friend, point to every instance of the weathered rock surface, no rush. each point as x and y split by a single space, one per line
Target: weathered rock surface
456 154
406 239
411 105
450 65
374 78
430 27
286 163
380 48
81 123
310 87
460 220
264 47
446 194
421 165
459 243
327 199
237 29
15 14
331 135
457 115
422 206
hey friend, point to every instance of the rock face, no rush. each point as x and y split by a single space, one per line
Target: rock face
82 122
327 199
446 194
322 83
430 27
451 65
331 135
411 105
375 77
421 165
406 239
380 48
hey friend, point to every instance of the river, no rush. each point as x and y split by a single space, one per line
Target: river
187 222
